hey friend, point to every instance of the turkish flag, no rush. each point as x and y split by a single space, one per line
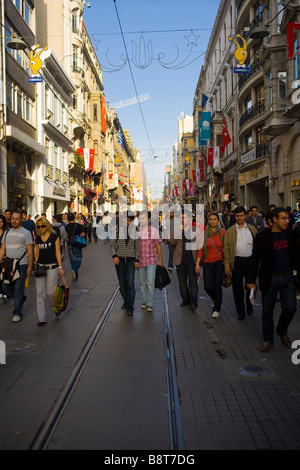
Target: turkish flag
210 156
290 37
91 159
202 177
225 135
194 176
184 184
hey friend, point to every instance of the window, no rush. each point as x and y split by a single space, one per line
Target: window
19 102
281 89
296 61
24 9
95 113
270 92
259 93
19 55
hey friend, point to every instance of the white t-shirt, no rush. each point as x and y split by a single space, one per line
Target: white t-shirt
15 241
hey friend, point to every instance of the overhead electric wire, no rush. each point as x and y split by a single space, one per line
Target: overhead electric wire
132 77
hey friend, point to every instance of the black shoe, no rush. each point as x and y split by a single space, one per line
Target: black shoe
184 304
124 306
249 311
129 311
41 323
241 317
193 307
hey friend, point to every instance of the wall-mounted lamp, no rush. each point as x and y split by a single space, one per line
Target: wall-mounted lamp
260 32
17 43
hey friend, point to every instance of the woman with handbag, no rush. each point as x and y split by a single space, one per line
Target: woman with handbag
212 255
48 266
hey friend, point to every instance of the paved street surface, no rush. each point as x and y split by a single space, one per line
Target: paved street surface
232 395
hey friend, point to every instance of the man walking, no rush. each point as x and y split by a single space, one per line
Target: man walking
125 250
238 244
150 249
255 219
17 246
96 221
185 258
75 253
276 254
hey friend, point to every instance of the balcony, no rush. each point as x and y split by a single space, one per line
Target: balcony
254 153
255 110
254 67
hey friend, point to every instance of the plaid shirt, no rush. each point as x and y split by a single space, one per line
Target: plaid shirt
148 241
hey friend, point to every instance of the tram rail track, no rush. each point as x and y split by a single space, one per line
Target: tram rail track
51 421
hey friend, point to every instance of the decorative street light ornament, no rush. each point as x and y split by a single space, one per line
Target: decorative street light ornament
36 64
240 55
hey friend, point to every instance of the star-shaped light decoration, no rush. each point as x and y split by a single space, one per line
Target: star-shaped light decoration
192 39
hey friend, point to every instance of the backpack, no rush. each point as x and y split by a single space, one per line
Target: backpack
57 230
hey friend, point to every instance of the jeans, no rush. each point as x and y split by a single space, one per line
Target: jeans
238 275
213 277
126 273
287 292
188 290
16 289
171 253
75 255
147 283
45 291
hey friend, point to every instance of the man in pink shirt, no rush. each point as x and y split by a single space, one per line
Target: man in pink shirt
150 249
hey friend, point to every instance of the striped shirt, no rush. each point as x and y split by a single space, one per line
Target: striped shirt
125 245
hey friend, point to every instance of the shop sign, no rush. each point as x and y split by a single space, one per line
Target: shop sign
56 191
295 182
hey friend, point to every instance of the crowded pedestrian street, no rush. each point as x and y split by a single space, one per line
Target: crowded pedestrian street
96 378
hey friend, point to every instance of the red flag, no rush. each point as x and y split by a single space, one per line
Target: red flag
91 159
225 135
210 156
103 114
290 37
194 176
184 184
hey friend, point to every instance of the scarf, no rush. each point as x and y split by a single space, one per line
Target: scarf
207 233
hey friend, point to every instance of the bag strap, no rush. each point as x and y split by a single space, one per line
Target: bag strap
215 247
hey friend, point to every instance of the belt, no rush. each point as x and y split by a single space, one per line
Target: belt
50 266
282 274
243 257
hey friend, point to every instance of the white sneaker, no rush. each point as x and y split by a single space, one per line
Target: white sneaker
215 314
16 318
4 298
73 275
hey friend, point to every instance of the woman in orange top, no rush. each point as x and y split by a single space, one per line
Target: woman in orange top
212 254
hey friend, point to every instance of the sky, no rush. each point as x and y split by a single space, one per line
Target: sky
159 55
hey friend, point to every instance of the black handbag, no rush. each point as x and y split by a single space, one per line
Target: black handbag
40 271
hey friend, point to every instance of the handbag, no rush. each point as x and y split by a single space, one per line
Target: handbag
9 269
61 297
40 271
77 240
226 282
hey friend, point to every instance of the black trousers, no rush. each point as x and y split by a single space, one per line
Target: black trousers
188 285
239 288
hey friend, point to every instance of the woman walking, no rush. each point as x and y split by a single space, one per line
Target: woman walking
212 254
3 229
48 254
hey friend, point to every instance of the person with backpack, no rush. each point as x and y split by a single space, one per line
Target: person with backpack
16 252
75 253
47 256
60 230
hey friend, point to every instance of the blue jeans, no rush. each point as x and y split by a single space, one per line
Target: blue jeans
75 255
287 292
126 273
16 289
213 276
147 283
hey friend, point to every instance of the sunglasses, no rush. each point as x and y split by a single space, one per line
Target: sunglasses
41 226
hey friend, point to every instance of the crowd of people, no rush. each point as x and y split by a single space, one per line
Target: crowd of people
233 249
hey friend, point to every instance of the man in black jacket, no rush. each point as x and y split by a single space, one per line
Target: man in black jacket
276 254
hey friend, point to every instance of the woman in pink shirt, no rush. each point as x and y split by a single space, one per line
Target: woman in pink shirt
212 254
